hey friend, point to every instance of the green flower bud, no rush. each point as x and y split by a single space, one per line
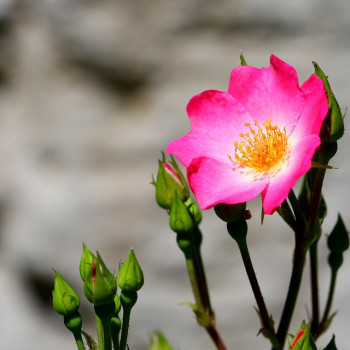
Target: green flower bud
230 212
86 262
194 210
158 342
180 219
130 276
338 240
303 339
100 285
333 125
170 180
64 299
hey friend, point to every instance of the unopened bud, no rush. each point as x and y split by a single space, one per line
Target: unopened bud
170 180
194 210
86 262
180 219
130 276
303 339
338 240
100 285
64 299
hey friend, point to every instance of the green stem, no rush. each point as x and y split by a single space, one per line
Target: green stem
104 314
241 239
194 282
327 310
215 336
264 315
299 215
106 323
79 340
190 246
99 328
128 300
200 273
293 290
125 328
314 287
316 195
115 328
317 177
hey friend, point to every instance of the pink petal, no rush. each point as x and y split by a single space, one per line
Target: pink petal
271 92
298 164
214 182
315 109
214 118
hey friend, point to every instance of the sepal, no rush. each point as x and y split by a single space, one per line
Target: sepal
333 125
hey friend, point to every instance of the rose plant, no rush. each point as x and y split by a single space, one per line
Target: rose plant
261 136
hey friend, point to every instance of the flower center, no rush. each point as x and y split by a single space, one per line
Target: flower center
262 148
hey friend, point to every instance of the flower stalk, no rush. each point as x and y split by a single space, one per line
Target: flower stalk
128 300
73 322
293 290
238 231
190 246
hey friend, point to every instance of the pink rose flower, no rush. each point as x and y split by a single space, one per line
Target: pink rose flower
259 137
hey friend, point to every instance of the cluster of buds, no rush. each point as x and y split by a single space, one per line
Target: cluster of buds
100 289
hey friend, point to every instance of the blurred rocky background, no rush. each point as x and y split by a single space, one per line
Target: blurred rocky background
90 92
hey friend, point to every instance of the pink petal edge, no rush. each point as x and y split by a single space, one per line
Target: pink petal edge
268 92
315 109
299 163
214 182
214 117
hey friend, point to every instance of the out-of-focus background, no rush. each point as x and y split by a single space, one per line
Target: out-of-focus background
90 92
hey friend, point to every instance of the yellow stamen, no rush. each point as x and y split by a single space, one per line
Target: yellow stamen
261 149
